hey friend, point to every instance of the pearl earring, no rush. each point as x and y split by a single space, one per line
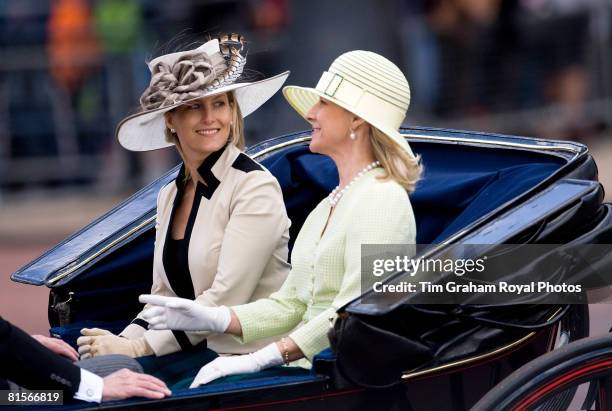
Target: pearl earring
352 135
172 130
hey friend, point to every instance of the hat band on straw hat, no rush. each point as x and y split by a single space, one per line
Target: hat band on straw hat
364 83
360 100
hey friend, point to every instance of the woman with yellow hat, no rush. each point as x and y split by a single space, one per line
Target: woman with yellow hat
355 111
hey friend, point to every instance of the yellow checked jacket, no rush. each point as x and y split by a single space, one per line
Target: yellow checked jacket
326 272
237 235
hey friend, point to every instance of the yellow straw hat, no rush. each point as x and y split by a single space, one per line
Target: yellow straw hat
364 83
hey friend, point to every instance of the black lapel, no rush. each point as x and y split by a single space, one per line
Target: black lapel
181 282
205 170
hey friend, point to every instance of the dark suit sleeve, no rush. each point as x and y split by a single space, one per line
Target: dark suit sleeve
29 364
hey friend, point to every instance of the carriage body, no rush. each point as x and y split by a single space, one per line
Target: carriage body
479 188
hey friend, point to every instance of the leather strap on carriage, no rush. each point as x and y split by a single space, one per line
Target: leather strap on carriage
463 313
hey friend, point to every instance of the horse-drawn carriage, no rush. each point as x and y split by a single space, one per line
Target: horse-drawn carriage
478 189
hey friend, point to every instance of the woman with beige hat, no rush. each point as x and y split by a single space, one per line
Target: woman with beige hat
222 228
355 111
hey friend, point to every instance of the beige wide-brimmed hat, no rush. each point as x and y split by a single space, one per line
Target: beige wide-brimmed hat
364 83
186 76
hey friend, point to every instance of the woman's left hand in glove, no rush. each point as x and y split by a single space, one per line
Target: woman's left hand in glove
174 313
269 356
95 342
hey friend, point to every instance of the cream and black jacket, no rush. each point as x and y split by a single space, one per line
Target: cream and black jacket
237 235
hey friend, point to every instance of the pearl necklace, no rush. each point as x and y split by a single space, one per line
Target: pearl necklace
337 194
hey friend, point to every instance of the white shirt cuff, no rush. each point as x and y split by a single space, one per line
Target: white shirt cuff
90 388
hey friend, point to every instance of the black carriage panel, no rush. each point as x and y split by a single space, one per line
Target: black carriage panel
106 294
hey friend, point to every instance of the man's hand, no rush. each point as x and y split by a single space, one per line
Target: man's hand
57 346
173 313
124 384
96 341
268 356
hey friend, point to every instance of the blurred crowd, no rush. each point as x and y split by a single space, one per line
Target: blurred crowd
71 69
473 58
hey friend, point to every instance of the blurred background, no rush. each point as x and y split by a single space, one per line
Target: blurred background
70 70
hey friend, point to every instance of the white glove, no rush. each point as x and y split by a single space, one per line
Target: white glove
173 313
96 341
269 356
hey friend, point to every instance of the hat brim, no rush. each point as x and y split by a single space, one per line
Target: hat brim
303 98
144 131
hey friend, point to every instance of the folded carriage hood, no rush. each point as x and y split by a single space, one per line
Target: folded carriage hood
136 215
565 202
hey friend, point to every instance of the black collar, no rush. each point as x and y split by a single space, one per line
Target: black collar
210 161
204 170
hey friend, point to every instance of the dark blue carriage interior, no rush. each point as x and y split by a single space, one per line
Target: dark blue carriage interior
461 183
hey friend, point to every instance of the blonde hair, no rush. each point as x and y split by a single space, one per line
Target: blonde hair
397 163
237 129
236 134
